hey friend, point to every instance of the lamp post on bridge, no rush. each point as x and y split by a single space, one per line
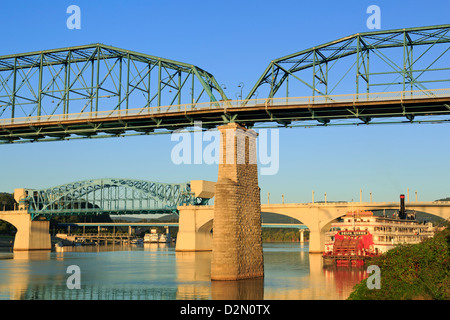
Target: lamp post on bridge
224 87
241 85
256 96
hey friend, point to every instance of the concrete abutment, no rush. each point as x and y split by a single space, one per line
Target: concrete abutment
31 235
195 225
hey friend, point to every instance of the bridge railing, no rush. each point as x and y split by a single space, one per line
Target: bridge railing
229 104
363 97
359 204
101 235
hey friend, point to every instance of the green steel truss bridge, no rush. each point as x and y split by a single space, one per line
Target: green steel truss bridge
109 196
97 91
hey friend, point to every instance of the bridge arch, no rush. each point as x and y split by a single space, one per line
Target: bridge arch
196 221
316 220
318 217
441 212
30 235
9 219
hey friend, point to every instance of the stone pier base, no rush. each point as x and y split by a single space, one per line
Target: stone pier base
237 243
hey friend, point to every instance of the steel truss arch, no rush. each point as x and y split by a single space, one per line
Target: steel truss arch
374 58
96 77
111 196
98 91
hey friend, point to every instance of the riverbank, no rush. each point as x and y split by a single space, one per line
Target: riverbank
412 272
8 241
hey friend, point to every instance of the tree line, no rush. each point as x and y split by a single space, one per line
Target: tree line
282 235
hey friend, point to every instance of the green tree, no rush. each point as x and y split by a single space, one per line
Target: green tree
420 271
54 221
6 201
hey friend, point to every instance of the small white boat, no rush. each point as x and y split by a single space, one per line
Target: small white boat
163 238
151 238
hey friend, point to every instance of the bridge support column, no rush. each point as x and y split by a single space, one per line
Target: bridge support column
31 235
302 236
316 241
195 224
237 243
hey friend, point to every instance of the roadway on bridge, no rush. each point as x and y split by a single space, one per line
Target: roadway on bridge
284 111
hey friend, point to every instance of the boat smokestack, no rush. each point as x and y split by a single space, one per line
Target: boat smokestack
402 213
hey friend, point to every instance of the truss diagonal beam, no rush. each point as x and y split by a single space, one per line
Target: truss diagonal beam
91 75
393 53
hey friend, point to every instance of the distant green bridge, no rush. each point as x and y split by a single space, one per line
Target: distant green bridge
108 196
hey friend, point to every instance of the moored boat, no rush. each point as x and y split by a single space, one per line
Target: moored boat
163 238
155 237
361 235
152 237
137 241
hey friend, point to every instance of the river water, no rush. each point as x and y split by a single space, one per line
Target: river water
157 272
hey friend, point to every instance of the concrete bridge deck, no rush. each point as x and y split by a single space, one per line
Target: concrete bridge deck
196 221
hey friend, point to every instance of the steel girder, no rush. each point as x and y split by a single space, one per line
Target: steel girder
97 77
111 196
393 60
338 83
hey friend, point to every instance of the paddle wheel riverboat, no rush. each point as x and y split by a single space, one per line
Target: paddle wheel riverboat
361 236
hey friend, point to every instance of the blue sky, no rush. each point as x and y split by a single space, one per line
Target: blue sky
235 41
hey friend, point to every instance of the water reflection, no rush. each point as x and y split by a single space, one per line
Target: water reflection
54 292
193 275
344 279
248 289
156 271
294 274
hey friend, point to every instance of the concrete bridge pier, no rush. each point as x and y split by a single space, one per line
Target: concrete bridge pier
317 232
31 235
195 225
316 241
